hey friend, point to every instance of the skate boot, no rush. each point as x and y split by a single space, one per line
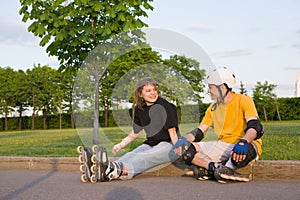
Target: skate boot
113 170
84 159
201 173
99 162
225 174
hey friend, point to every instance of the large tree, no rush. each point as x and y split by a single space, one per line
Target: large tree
44 83
7 89
21 94
187 71
72 29
265 97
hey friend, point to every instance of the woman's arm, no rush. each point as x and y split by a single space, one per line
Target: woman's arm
173 135
128 139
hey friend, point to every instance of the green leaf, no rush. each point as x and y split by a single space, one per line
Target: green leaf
98 6
139 23
126 27
56 24
33 27
40 30
45 40
25 17
43 16
59 37
121 17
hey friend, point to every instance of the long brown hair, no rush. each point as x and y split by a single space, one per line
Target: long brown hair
138 100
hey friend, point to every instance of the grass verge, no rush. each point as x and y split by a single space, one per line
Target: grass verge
280 142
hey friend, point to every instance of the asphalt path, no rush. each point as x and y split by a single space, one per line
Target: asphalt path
44 185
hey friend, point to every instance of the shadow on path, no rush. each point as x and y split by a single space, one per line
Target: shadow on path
19 191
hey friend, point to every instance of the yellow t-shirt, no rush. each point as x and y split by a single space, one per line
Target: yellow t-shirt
229 120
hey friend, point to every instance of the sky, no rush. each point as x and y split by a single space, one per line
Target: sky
259 40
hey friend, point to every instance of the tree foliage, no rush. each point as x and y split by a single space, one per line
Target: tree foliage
243 89
20 87
263 96
72 29
7 91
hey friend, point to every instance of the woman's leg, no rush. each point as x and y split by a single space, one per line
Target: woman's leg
146 157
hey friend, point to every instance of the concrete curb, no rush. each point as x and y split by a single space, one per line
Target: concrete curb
260 170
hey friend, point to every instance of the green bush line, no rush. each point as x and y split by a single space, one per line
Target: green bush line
289 109
280 142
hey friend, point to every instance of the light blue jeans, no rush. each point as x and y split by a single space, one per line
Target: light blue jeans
146 157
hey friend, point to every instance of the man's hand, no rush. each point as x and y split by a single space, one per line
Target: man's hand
240 150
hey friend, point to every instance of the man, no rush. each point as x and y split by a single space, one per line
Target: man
235 121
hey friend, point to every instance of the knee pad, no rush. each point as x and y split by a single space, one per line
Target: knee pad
188 154
249 157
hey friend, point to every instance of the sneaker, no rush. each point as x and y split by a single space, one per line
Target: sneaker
224 174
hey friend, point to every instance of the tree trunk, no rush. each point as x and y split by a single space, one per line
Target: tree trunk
20 120
6 121
44 119
72 120
277 109
71 114
32 120
106 116
33 112
96 114
60 120
265 113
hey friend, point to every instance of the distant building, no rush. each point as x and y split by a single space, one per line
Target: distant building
297 93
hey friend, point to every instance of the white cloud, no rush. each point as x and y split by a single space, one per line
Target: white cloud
16 34
292 68
297 46
275 46
199 28
234 53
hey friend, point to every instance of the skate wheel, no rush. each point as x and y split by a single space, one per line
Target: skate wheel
93 179
82 168
93 158
94 148
93 168
80 159
79 149
83 178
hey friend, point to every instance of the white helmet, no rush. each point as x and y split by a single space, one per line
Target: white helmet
221 75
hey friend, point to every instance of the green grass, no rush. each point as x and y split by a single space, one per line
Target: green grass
280 142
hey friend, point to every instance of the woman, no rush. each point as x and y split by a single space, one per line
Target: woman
158 118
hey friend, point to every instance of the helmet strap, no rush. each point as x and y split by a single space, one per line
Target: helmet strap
221 99
221 94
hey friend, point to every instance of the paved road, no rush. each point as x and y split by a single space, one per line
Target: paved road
28 184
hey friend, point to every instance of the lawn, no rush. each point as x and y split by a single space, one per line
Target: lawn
280 142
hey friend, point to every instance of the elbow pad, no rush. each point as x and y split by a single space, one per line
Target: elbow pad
198 134
255 124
